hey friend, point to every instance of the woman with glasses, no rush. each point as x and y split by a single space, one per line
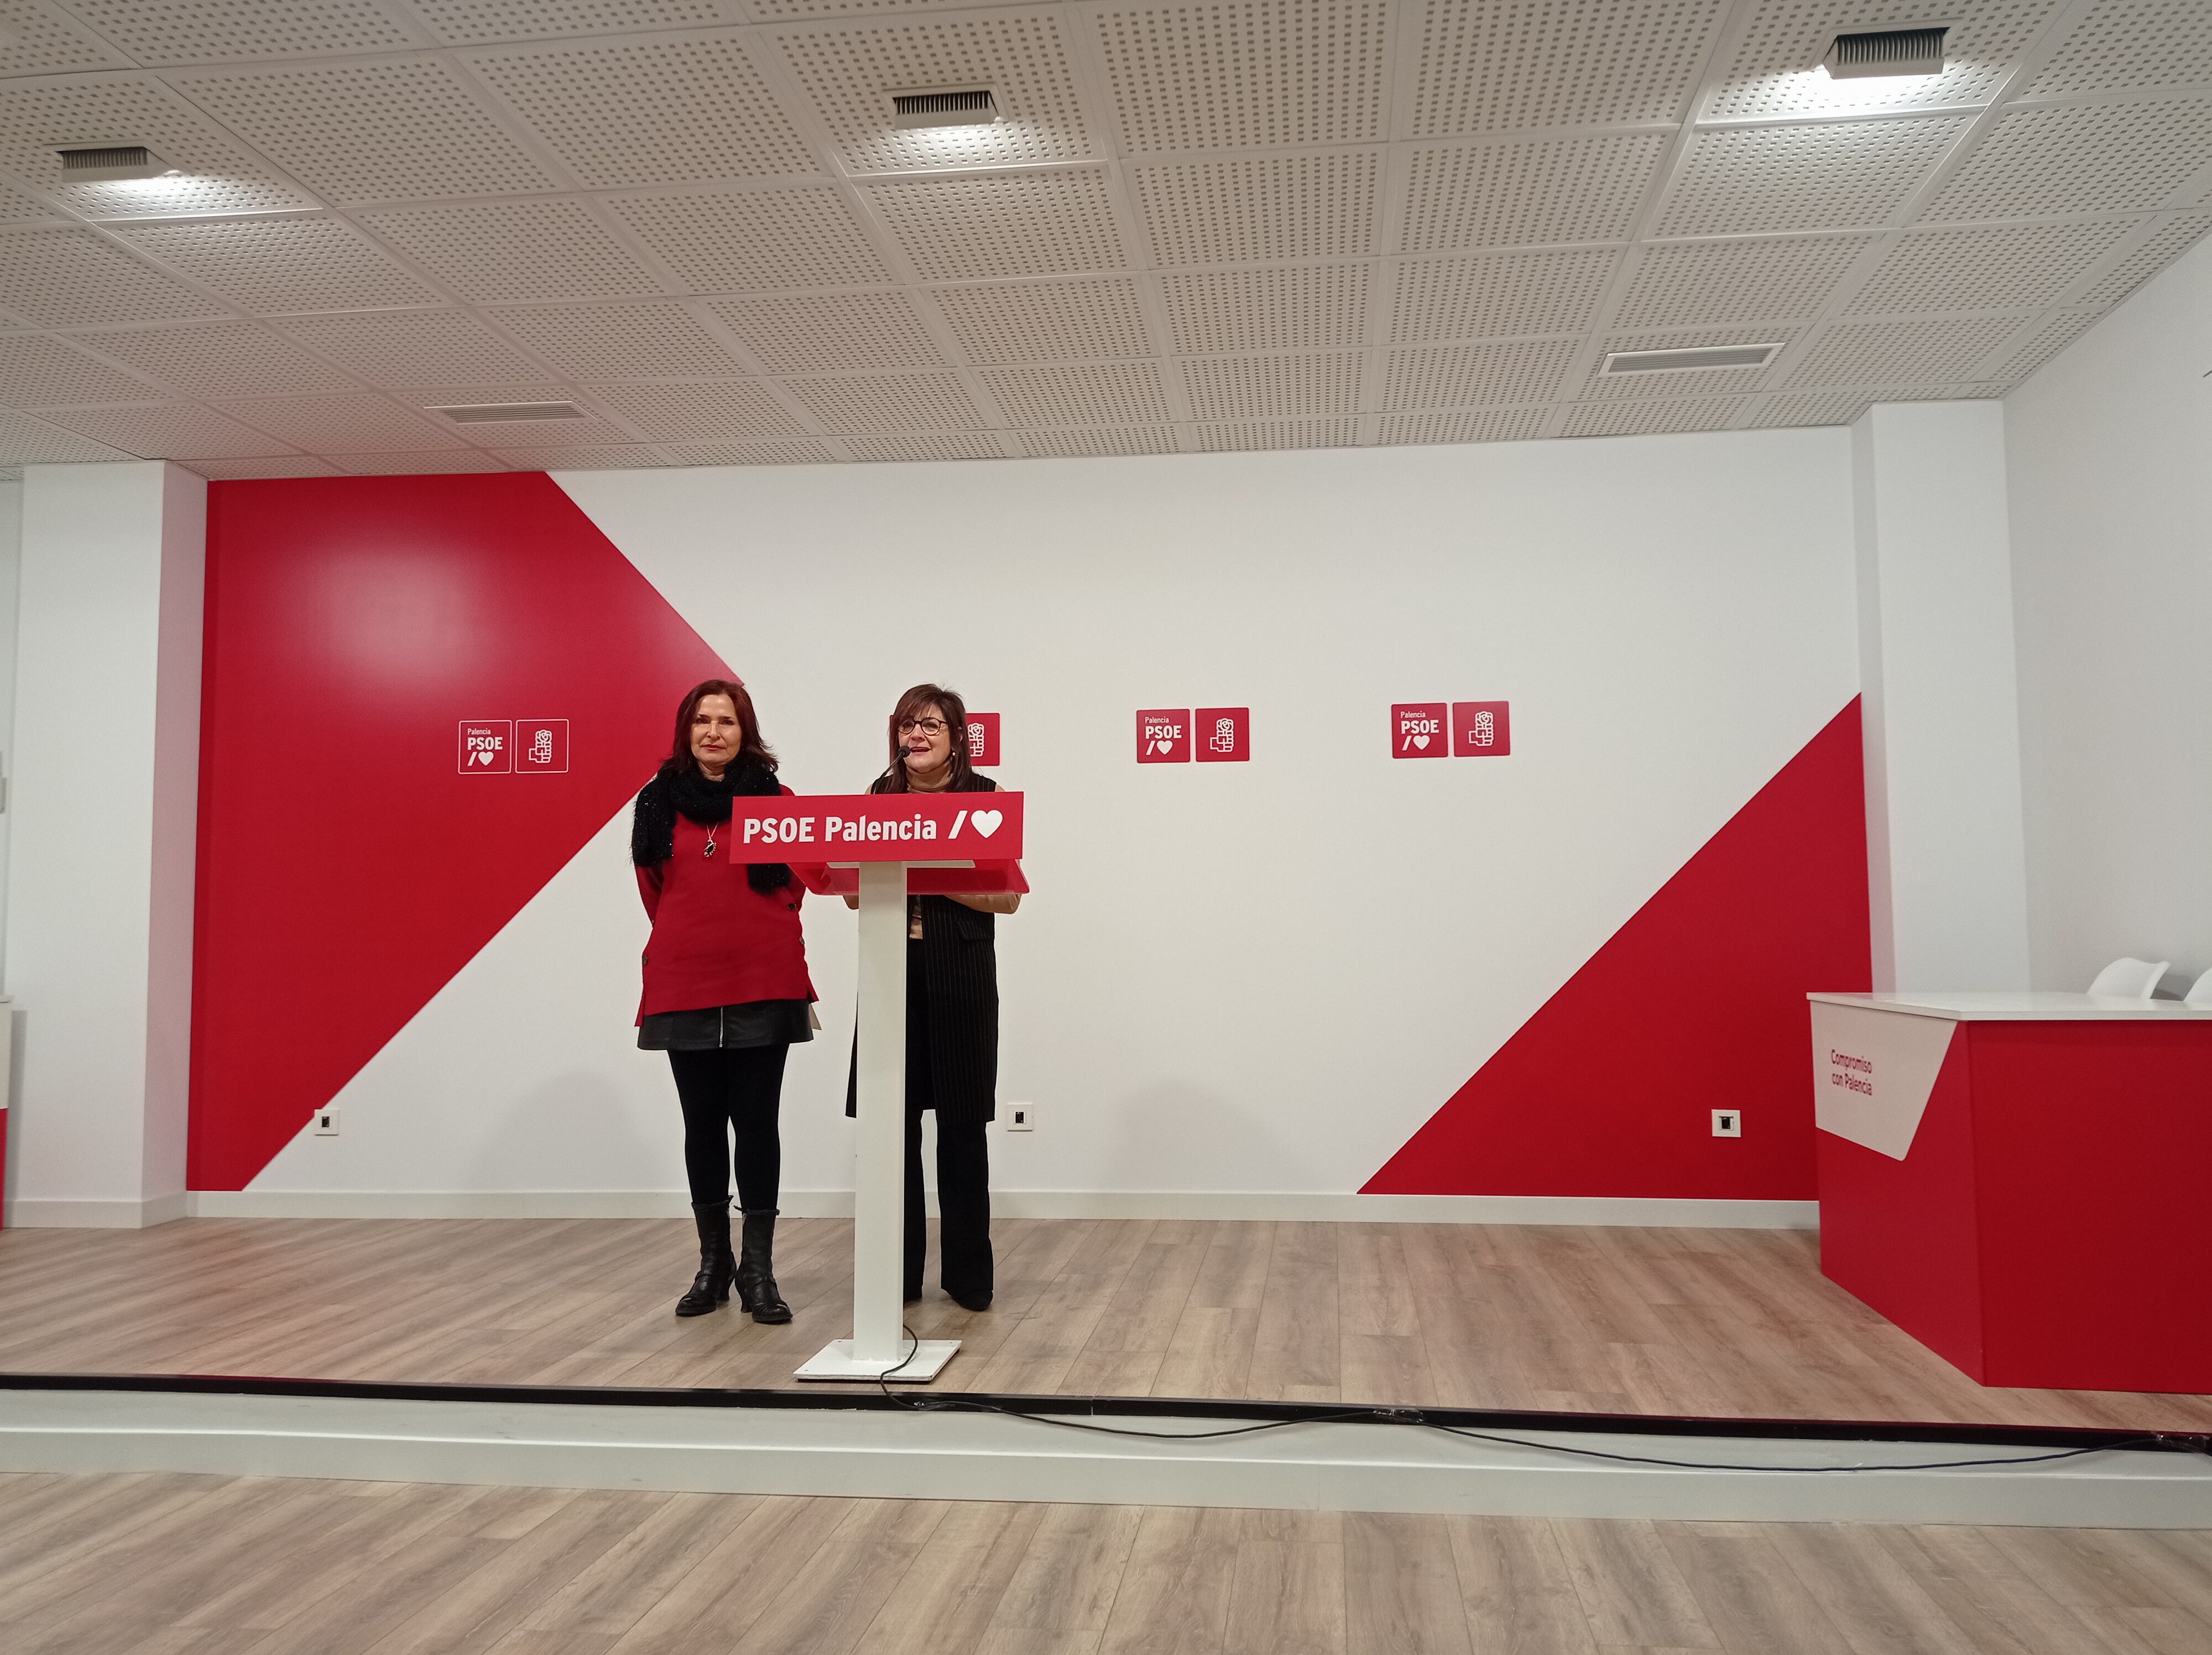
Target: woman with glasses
952 1013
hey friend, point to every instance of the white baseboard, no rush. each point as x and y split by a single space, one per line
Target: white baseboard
1293 1206
32 1212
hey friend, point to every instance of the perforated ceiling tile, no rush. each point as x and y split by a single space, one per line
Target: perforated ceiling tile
28 442
1494 295
1772 72
68 278
739 241
1003 224
218 177
477 22
1689 284
2080 159
1253 434
2175 237
491 251
1468 425
1213 212
1260 387
1680 385
799 450
726 410
1303 306
1125 440
1504 66
1520 195
220 359
1111 393
650 111
221 470
2008 269
1042 321
1900 353
1619 419
415 347
889 402
15 204
394 130
1472 375
595 457
2038 342
176 432
781 10
848 68
35 373
359 424
464 459
37 40
1842 407
955 445
1824 176
2121 43
804 334
593 426
272 266
1246 74
159 32
650 340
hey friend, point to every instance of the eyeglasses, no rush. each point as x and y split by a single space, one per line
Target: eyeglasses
926 725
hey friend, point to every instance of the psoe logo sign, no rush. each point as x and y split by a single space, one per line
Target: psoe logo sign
1164 736
1223 735
1481 729
983 738
541 745
1418 730
486 746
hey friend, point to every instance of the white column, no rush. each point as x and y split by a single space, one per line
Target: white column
1945 858
879 1103
105 802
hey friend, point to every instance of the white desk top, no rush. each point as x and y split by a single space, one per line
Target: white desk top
2016 1007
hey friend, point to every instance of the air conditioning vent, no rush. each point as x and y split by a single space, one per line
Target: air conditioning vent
1704 355
965 106
481 412
105 163
1885 51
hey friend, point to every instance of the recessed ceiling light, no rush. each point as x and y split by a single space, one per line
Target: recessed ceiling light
971 106
105 163
1888 53
1702 356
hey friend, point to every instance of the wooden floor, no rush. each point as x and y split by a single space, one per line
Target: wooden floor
218 1566
1733 1323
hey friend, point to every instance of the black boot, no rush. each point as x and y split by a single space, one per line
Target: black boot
717 1268
756 1270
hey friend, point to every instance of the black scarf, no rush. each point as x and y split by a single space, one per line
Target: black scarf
689 793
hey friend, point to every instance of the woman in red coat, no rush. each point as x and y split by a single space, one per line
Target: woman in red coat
727 991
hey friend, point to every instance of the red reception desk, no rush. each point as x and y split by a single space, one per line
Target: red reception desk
2019 1181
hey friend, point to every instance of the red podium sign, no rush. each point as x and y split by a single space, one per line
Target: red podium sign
879 827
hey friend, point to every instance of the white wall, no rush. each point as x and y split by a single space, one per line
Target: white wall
104 802
2110 449
1256 977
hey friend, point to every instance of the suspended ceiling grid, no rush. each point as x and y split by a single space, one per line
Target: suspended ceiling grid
1241 224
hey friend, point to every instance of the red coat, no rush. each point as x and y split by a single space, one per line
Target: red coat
717 941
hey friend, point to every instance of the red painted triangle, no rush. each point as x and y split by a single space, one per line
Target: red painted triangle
349 867
1697 1003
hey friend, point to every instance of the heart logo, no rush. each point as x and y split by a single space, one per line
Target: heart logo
986 821
1420 741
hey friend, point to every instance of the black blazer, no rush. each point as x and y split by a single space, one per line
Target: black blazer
959 964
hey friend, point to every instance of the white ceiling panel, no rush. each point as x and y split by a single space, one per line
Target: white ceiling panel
39 38
1684 284
417 465
1206 212
1509 65
37 372
72 277
478 22
28 442
1842 407
1495 296
359 424
16 205
590 457
1467 375
1619 419
950 445
1108 394
1775 179
1465 425
220 359
1000 224
849 70
722 411
1214 312
796 451
1901 353
274 265
1117 440
2165 244
2119 44
1519 195
802 333
506 250
1246 74
393 130
1773 74
655 339
742 240
219 470
174 432
1252 435
889 402
681 110
1985 270
415 347
1260 387
2080 158
2038 342
159 32
1041 321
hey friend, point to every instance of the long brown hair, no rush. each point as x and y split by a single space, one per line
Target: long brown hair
954 712
752 750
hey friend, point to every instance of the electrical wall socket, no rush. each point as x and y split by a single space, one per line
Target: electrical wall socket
1021 1118
327 1123
1728 1123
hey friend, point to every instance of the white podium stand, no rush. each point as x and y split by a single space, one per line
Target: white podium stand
952 842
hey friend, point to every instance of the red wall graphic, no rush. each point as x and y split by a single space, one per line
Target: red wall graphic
348 867
1697 1003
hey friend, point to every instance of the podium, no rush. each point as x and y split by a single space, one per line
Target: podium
884 847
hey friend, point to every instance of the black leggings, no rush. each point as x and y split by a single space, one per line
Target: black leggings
726 1089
